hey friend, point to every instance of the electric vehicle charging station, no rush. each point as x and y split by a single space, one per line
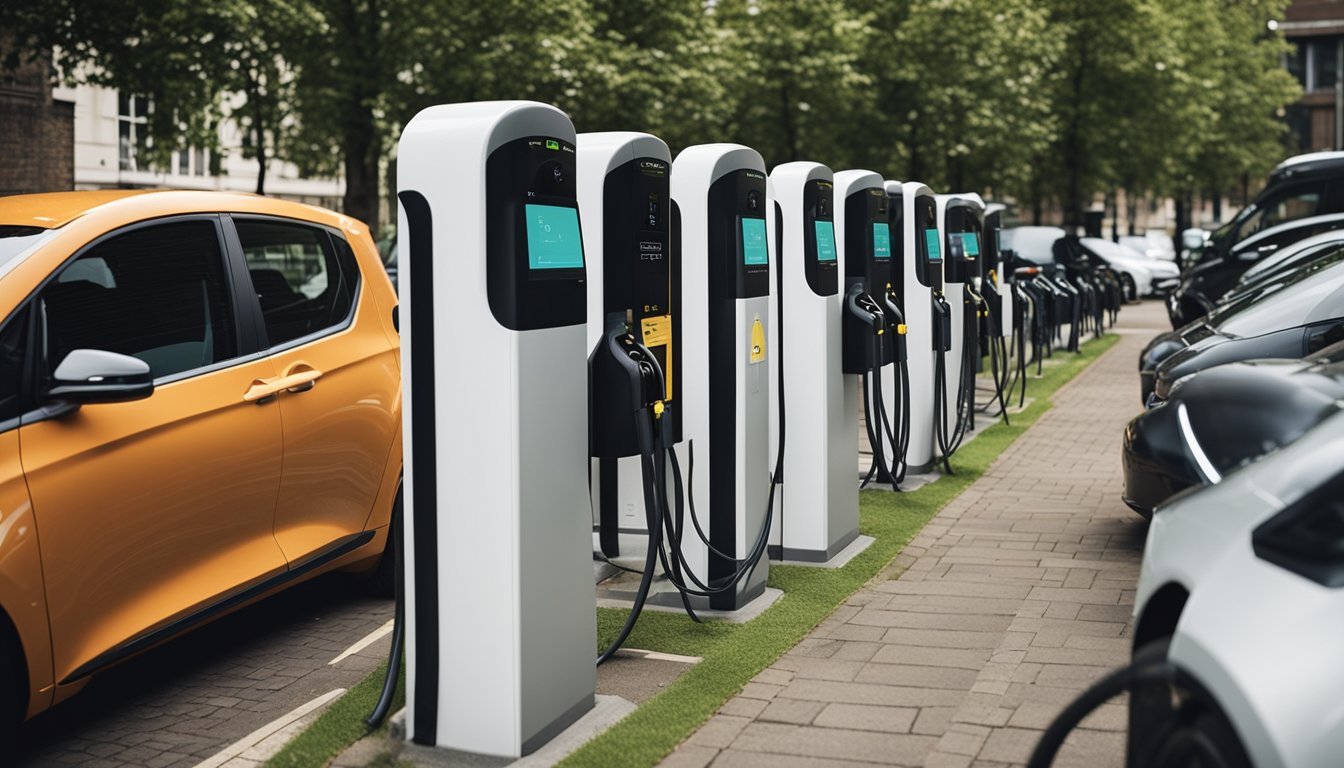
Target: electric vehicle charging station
874 325
816 512
624 180
497 520
998 325
929 330
721 241
960 222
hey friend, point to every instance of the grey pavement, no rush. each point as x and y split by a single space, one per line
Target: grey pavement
185 701
1009 603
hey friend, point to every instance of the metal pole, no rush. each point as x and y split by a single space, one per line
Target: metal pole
1339 94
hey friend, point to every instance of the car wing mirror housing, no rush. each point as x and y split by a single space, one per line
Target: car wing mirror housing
98 376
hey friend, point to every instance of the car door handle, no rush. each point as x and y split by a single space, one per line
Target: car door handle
264 390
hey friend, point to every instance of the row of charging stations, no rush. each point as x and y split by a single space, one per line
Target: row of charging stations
735 325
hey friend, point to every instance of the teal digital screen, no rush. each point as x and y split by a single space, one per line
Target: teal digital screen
931 241
881 240
753 242
825 240
970 244
553 240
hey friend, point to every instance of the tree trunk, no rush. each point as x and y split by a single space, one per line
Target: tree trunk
361 169
790 128
259 136
1074 155
258 129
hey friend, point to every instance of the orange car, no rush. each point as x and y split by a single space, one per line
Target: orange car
200 404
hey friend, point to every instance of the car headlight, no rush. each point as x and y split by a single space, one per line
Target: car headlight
1202 461
1307 537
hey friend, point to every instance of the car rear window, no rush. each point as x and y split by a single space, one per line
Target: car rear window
304 278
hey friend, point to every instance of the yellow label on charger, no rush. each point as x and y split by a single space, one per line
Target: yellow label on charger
657 332
757 340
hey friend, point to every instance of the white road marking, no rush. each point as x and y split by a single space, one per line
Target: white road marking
255 738
368 640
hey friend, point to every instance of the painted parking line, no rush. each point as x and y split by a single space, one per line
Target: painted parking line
248 743
365 642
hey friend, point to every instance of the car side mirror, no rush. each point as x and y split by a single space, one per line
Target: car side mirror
99 376
1193 239
1326 334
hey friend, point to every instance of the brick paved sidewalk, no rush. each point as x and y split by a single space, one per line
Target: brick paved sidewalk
1016 597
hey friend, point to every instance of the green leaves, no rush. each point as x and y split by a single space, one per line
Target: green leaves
1044 101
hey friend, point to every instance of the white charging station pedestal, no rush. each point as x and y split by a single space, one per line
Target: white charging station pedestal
719 232
959 215
624 180
499 583
923 275
994 213
817 506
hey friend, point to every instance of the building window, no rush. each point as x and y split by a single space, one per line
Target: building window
190 162
132 124
1296 62
1322 61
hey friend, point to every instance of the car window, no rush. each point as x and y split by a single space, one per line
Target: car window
304 282
157 293
1289 205
13 341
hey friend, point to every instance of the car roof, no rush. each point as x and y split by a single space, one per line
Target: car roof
1313 162
53 210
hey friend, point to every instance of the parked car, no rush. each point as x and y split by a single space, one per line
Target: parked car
187 417
1226 417
1304 197
1240 592
1153 244
1139 275
1290 317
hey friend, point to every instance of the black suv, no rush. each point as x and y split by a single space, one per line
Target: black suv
1304 197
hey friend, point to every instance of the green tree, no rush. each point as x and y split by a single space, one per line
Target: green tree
183 56
793 81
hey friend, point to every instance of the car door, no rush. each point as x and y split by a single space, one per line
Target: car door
150 512
339 420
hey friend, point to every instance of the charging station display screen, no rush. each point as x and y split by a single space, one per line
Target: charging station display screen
753 242
825 240
931 242
553 240
970 244
881 240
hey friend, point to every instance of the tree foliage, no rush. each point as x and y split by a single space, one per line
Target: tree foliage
1050 102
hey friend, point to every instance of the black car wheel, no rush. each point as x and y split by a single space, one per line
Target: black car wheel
1179 725
13 691
1131 291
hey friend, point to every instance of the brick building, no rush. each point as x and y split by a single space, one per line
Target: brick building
37 132
1316 28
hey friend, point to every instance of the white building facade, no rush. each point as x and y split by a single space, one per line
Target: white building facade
111 143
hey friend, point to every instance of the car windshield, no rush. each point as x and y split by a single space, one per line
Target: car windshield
19 240
1035 244
1284 302
1289 257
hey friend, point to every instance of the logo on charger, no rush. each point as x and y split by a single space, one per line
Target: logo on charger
650 250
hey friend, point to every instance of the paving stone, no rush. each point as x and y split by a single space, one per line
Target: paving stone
1012 599
791 711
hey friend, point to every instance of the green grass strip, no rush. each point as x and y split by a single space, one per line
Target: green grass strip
732 654
341 725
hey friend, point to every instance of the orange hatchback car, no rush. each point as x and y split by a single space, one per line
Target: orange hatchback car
200 404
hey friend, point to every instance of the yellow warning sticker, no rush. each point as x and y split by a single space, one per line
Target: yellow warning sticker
657 333
757 341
